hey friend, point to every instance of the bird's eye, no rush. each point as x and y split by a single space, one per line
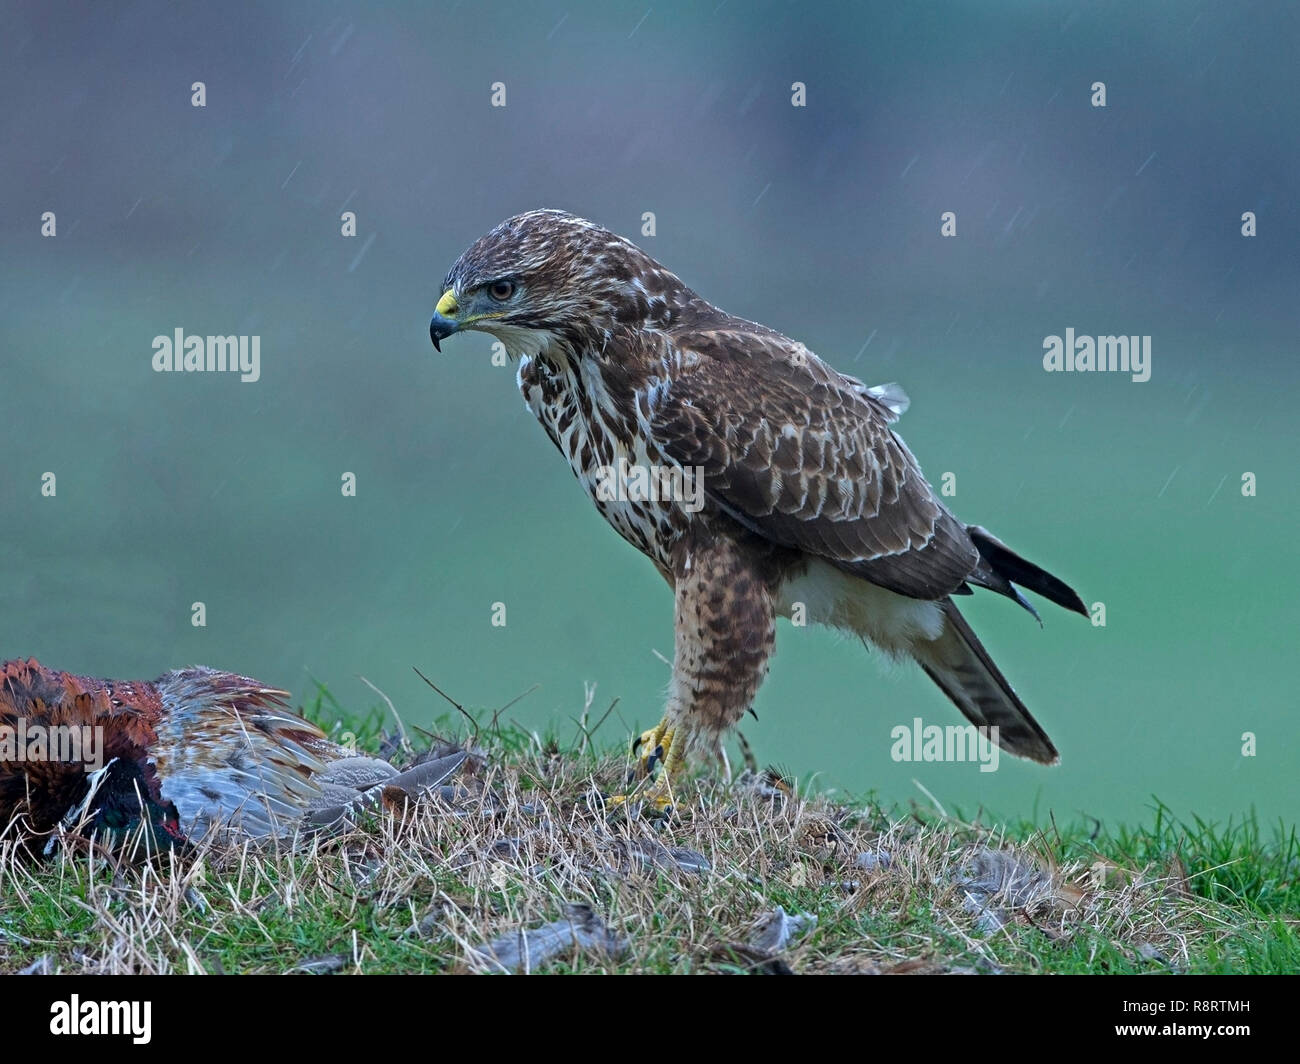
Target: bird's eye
501 290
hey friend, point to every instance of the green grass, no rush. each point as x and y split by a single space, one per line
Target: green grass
418 889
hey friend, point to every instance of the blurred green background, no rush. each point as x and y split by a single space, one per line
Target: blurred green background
821 221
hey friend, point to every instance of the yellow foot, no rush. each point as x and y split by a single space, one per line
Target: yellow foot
652 748
652 804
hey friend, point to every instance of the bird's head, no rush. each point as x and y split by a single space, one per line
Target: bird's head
94 771
548 277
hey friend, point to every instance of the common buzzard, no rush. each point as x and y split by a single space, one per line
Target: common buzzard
794 493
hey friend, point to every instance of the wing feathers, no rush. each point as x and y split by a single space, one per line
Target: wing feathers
1013 568
805 457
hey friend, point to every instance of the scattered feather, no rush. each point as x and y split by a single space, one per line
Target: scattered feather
523 951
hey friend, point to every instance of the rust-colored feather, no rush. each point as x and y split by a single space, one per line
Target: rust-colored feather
194 751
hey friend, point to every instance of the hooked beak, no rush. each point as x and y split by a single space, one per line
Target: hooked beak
444 322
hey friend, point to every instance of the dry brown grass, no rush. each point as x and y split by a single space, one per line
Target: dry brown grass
524 841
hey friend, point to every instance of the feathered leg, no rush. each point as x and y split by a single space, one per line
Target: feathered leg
725 632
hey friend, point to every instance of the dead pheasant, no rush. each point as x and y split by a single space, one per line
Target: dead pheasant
193 751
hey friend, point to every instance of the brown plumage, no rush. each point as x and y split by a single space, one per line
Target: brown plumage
808 496
194 751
